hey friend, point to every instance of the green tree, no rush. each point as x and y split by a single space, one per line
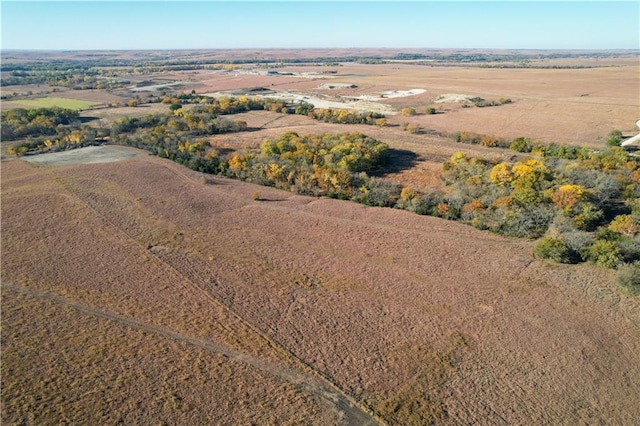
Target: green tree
615 138
604 253
521 145
553 249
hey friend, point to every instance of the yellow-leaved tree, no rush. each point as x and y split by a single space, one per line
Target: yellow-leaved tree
501 174
624 224
567 196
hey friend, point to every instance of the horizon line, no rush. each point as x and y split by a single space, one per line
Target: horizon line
594 49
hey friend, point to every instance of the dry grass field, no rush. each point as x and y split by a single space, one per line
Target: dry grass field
577 106
575 100
136 291
62 97
132 292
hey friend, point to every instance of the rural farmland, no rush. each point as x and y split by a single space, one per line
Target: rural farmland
54 102
320 236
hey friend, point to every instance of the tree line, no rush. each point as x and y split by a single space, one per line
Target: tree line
19 123
582 205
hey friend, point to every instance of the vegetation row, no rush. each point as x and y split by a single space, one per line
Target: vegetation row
109 73
581 205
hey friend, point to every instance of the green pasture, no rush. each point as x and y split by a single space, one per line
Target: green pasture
58 102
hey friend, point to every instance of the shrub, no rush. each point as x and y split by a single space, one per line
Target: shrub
567 196
552 249
430 110
634 205
629 249
624 224
304 108
604 253
525 197
528 222
587 216
489 141
615 138
578 243
408 194
412 128
378 193
629 277
521 145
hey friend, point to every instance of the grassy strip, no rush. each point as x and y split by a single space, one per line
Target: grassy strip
50 102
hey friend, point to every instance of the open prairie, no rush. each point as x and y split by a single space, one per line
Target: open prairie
577 97
141 292
137 291
569 105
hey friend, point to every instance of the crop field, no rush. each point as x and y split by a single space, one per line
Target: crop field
181 300
49 102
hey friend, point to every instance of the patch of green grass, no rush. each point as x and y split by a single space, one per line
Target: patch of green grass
59 102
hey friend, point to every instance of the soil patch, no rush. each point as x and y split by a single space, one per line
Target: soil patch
88 155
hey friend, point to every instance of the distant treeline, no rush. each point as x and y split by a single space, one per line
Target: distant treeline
201 119
83 73
528 145
99 61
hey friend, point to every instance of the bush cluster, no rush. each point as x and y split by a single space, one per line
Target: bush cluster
583 205
329 164
20 122
344 116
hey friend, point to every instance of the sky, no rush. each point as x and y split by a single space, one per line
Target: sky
105 25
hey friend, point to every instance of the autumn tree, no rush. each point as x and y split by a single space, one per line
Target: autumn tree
625 225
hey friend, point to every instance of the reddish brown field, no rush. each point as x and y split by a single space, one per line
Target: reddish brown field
132 292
